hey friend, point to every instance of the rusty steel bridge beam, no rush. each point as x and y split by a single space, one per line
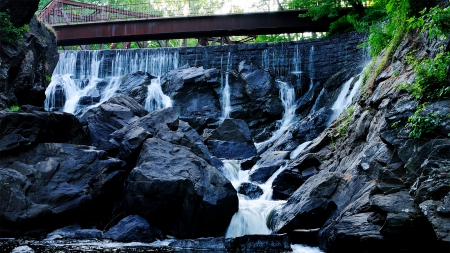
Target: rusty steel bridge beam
188 27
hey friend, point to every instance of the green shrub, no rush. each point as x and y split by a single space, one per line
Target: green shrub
344 121
13 108
8 33
342 25
423 125
48 78
436 21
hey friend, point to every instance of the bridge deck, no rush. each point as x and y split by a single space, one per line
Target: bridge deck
188 27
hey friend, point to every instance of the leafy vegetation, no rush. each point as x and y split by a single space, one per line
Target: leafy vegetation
344 121
423 125
13 108
8 32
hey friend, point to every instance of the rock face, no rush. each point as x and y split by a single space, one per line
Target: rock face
22 129
231 140
26 66
179 192
53 184
373 187
267 166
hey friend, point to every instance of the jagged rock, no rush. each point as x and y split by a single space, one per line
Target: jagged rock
108 117
250 190
135 85
231 140
22 249
259 243
86 234
309 206
295 174
67 232
25 66
53 184
179 192
133 228
210 244
265 167
22 129
248 163
194 95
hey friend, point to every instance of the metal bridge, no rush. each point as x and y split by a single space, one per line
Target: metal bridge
77 23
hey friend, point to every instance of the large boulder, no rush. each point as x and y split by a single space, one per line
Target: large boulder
178 192
133 228
194 94
52 185
231 140
110 116
135 85
295 174
26 128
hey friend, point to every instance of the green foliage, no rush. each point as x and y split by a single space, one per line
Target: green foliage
13 108
436 21
432 77
342 25
422 125
8 33
48 78
344 121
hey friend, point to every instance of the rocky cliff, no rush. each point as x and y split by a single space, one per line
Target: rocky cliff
376 190
27 65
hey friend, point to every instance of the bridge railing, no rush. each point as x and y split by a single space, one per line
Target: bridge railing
67 13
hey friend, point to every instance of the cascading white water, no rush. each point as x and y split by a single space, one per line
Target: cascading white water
89 78
345 96
226 97
156 99
318 99
253 214
297 63
311 67
287 96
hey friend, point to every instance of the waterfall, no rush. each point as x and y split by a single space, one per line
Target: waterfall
318 99
297 63
83 79
156 99
226 97
287 96
253 215
311 67
345 96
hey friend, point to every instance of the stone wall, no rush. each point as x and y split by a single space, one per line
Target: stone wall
331 54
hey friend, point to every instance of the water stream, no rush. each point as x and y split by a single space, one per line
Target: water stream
82 75
226 97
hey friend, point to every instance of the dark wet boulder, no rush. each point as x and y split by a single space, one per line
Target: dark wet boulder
135 85
265 167
310 206
259 243
53 184
133 228
295 174
178 192
194 93
231 139
250 190
209 244
26 128
109 117
88 234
